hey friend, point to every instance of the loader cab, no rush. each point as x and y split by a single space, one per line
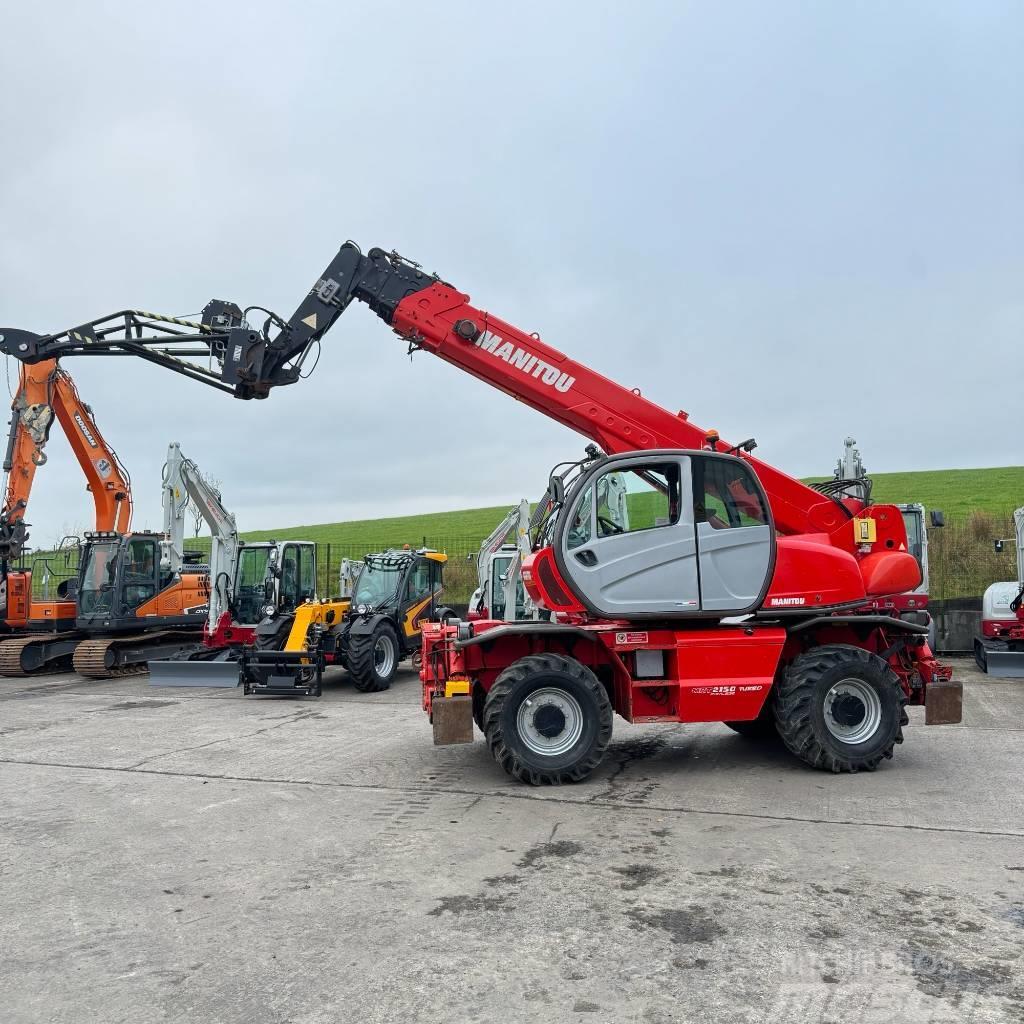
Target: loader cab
273 578
399 580
666 534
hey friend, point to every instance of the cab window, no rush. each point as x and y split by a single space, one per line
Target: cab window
726 496
140 571
640 498
307 582
580 526
420 581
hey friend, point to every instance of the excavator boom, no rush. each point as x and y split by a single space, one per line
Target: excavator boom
47 393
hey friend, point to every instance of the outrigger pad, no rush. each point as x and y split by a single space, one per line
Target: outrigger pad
221 674
944 703
453 720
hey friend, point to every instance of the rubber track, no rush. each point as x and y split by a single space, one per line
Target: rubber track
793 708
10 655
90 658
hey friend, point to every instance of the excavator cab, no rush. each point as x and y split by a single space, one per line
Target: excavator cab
121 585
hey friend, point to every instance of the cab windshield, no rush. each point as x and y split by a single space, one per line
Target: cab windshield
250 584
99 565
377 583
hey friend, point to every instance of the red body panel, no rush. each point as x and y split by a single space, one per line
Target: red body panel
227 634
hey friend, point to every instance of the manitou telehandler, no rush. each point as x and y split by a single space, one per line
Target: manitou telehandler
736 593
40 635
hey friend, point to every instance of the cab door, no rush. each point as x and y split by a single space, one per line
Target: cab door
735 534
628 542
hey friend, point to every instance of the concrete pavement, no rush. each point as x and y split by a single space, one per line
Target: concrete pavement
188 855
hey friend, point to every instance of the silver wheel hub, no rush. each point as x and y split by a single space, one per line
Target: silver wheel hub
550 721
383 656
853 711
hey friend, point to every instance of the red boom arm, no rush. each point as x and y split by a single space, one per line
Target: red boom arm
441 320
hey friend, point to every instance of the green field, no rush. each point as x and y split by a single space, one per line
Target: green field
956 491
472 524
963 562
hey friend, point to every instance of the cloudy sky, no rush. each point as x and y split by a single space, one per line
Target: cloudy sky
797 221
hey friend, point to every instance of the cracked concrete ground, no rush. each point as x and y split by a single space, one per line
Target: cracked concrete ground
188 855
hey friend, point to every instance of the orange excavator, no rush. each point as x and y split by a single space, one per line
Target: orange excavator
42 634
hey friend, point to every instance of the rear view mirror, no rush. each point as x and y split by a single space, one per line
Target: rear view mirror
556 488
937 517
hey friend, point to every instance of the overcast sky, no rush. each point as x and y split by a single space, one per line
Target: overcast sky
796 221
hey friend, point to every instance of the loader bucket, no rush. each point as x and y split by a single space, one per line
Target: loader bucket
221 674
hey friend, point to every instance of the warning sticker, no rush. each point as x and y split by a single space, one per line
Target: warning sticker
631 638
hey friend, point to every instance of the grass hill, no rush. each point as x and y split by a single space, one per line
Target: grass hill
956 491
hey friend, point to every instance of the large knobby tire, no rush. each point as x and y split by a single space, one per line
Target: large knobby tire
547 720
373 658
840 708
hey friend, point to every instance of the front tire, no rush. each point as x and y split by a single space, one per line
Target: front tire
373 659
547 720
840 708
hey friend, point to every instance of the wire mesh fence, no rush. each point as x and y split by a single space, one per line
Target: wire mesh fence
962 559
51 568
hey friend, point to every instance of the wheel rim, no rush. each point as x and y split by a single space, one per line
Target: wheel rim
383 656
550 721
853 711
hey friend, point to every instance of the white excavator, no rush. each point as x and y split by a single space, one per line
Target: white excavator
249 581
500 593
999 650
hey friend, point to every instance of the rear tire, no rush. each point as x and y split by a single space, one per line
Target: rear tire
373 659
547 720
840 708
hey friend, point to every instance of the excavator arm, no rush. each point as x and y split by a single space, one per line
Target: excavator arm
183 480
47 393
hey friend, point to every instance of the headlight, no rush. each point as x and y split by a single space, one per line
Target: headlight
361 609
269 610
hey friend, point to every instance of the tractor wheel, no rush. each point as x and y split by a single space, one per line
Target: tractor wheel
373 659
840 708
547 720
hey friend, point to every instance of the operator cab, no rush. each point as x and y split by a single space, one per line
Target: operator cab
666 533
273 578
120 578
398 579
